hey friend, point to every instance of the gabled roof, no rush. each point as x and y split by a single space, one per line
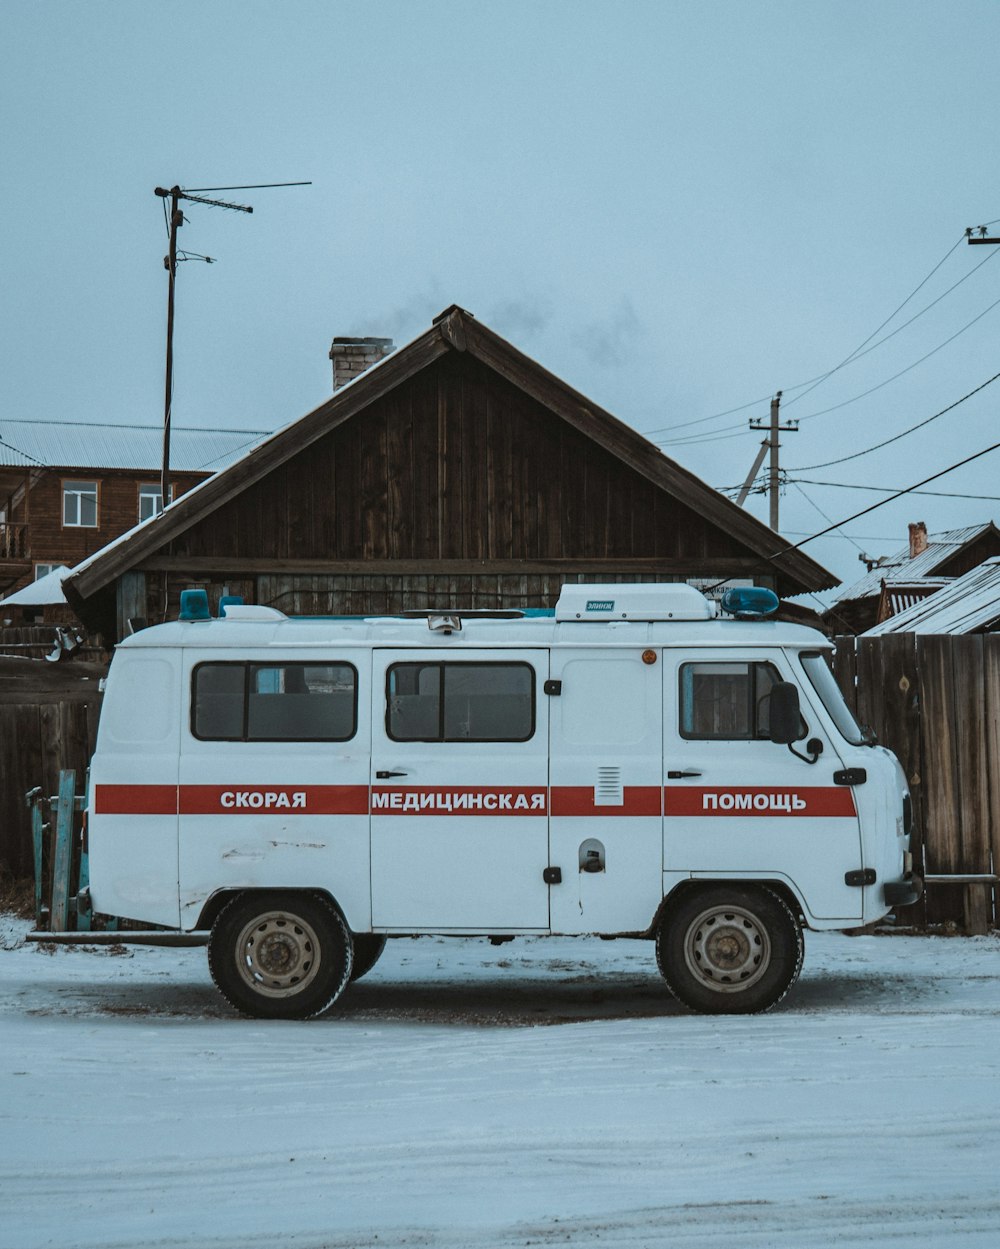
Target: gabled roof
79 444
453 330
902 569
898 596
969 604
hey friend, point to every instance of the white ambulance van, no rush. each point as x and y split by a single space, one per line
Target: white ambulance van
296 791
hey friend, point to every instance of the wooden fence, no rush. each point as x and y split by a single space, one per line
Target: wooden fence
48 721
935 702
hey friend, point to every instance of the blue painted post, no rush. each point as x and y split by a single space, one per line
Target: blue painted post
34 800
62 858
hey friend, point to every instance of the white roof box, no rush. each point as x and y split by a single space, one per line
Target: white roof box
664 601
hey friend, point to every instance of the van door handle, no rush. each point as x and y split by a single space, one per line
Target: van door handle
384 776
678 776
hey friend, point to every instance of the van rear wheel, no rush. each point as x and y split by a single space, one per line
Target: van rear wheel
280 955
727 949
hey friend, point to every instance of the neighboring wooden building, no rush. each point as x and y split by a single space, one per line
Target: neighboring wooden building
455 472
67 488
918 571
967 605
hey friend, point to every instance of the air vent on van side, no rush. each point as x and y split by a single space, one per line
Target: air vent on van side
609 791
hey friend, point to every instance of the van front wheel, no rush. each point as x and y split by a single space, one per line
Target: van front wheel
727 949
280 955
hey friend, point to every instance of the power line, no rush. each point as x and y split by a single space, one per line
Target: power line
857 350
27 455
864 537
865 393
857 354
817 508
846 485
882 502
805 468
695 439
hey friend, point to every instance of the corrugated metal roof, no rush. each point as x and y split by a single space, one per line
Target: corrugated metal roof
966 605
80 444
900 567
898 596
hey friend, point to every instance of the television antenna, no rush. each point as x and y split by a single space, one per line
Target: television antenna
175 219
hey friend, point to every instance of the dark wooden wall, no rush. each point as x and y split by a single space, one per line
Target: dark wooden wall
456 464
984 547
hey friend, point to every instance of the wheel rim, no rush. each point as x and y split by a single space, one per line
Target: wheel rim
727 948
278 954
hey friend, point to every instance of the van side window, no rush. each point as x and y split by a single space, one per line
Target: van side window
274 702
725 701
460 702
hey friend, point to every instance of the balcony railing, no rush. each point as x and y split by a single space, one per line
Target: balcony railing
14 542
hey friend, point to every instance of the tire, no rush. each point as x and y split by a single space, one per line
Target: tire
729 949
368 947
280 955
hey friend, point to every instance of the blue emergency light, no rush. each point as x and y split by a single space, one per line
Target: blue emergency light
750 602
194 605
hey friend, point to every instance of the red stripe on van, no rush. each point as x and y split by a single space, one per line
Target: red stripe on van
135 799
574 800
754 800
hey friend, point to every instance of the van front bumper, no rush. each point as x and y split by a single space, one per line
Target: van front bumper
903 892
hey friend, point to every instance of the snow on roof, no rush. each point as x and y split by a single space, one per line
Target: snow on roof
83 444
966 605
40 593
900 567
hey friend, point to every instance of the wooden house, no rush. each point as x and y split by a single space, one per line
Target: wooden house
68 488
453 472
916 572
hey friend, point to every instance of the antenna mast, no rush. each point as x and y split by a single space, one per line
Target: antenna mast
170 263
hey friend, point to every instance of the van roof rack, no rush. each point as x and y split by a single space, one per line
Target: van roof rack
464 613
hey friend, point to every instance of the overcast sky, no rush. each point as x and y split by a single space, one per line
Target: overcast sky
679 208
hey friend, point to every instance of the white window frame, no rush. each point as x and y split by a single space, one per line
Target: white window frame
151 490
75 491
43 570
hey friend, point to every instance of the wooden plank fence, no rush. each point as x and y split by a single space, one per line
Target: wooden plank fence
935 702
48 722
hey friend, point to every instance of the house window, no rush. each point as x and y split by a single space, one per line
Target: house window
80 504
43 570
150 499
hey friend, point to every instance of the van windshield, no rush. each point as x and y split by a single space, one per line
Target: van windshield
822 681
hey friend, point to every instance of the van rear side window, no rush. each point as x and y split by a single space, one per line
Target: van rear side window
275 702
460 702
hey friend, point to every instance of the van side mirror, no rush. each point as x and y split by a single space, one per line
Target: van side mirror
784 716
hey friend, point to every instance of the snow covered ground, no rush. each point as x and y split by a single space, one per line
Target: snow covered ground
540 1093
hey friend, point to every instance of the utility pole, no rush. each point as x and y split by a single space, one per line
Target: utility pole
170 263
771 443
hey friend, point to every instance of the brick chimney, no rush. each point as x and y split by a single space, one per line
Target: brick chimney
918 539
351 356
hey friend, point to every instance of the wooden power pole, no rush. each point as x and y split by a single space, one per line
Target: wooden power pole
773 445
